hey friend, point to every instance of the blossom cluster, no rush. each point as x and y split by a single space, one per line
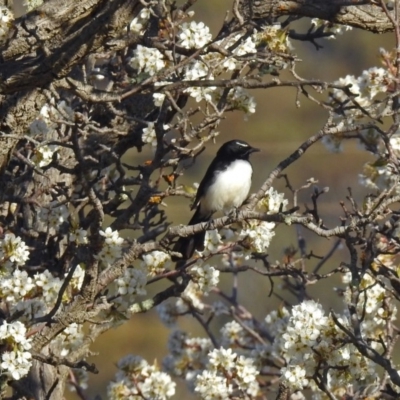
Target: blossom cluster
16 359
147 60
378 175
308 339
149 135
139 23
237 51
6 19
36 295
29 297
156 262
187 356
214 373
70 339
235 335
329 27
54 214
41 127
13 251
137 379
44 155
358 96
275 38
112 246
203 279
212 240
208 66
193 35
227 375
132 282
256 235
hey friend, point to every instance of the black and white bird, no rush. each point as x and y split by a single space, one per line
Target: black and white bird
225 186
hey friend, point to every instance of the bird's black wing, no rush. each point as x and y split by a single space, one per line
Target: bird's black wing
187 245
207 181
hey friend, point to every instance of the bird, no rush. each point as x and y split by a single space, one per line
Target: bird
226 185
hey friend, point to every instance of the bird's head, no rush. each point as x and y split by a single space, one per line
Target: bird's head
236 150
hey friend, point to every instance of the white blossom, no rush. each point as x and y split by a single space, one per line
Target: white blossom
13 250
149 135
148 60
16 287
193 35
295 377
212 240
329 27
55 214
211 386
257 235
70 339
158 99
16 363
132 282
77 277
205 277
227 372
111 237
232 333
157 386
80 236
48 284
275 38
191 296
224 358
273 201
138 24
112 247
201 93
135 376
156 262
241 100
6 20
43 155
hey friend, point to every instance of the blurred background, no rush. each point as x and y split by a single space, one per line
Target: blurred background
278 127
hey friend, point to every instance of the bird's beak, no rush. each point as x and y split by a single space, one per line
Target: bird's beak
254 150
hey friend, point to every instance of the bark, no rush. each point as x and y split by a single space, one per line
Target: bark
369 17
43 47
43 382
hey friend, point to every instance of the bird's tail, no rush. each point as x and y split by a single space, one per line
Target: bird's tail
187 245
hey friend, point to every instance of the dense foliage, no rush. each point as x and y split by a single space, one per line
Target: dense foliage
81 84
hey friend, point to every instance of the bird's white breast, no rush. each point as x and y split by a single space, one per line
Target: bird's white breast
230 188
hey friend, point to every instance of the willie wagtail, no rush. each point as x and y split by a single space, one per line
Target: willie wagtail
225 185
